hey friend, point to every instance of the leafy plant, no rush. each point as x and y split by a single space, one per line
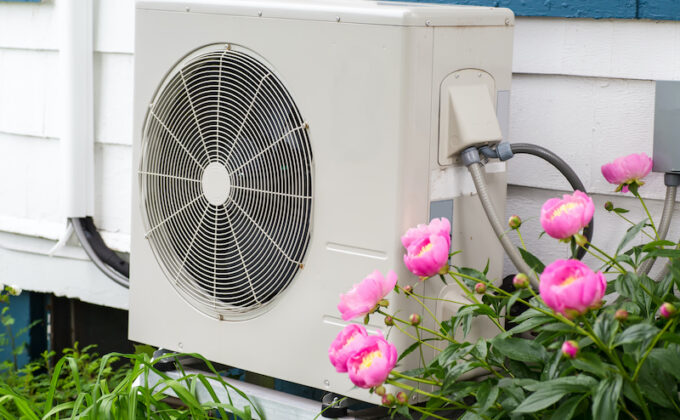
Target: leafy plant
587 345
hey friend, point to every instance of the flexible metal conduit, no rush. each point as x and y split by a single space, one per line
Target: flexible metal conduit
565 170
101 255
664 225
475 169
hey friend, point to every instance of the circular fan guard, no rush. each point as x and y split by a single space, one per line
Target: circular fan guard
226 182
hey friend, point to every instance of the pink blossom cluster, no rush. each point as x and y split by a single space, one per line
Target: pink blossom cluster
367 358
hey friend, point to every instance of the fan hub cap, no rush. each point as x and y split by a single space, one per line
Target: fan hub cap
216 184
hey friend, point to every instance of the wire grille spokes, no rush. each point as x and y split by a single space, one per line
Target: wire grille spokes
230 239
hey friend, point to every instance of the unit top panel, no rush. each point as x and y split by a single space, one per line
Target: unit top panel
344 11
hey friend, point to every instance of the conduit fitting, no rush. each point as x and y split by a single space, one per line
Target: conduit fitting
502 151
470 158
671 179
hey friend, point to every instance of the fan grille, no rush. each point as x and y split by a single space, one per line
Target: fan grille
226 182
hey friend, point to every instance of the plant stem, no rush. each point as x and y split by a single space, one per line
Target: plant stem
471 295
650 348
441 299
651 221
631 222
414 379
433 332
420 348
428 394
412 337
439 324
521 240
609 257
420 410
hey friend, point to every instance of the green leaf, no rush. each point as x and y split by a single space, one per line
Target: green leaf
532 261
630 235
605 327
567 409
635 334
620 210
529 313
606 398
662 253
412 347
486 395
577 383
591 363
539 400
529 324
668 358
652 245
520 349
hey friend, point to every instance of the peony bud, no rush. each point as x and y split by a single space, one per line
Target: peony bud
621 315
520 281
388 400
380 390
609 206
414 319
514 222
667 310
580 240
408 289
570 349
402 398
389 321
480 288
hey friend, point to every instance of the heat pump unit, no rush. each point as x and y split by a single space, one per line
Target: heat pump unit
281 148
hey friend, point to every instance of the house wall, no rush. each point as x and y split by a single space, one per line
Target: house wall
582 87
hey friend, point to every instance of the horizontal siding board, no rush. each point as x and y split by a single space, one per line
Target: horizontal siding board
35 26
625 49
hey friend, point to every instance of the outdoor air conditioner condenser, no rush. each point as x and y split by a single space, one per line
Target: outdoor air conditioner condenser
281 149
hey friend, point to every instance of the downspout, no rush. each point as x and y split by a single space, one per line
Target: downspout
76 80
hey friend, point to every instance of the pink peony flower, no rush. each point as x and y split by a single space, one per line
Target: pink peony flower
365 296
348 341
562 218
627 170
571 288
427 247
570 349
371 364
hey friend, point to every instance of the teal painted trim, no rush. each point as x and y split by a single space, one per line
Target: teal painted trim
598 9
659 9
621 9
20 1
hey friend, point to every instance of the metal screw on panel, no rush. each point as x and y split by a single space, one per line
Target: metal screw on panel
428 23
507 21
326 382
479 75
180 345
457 76
337 18
259 13
188 9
